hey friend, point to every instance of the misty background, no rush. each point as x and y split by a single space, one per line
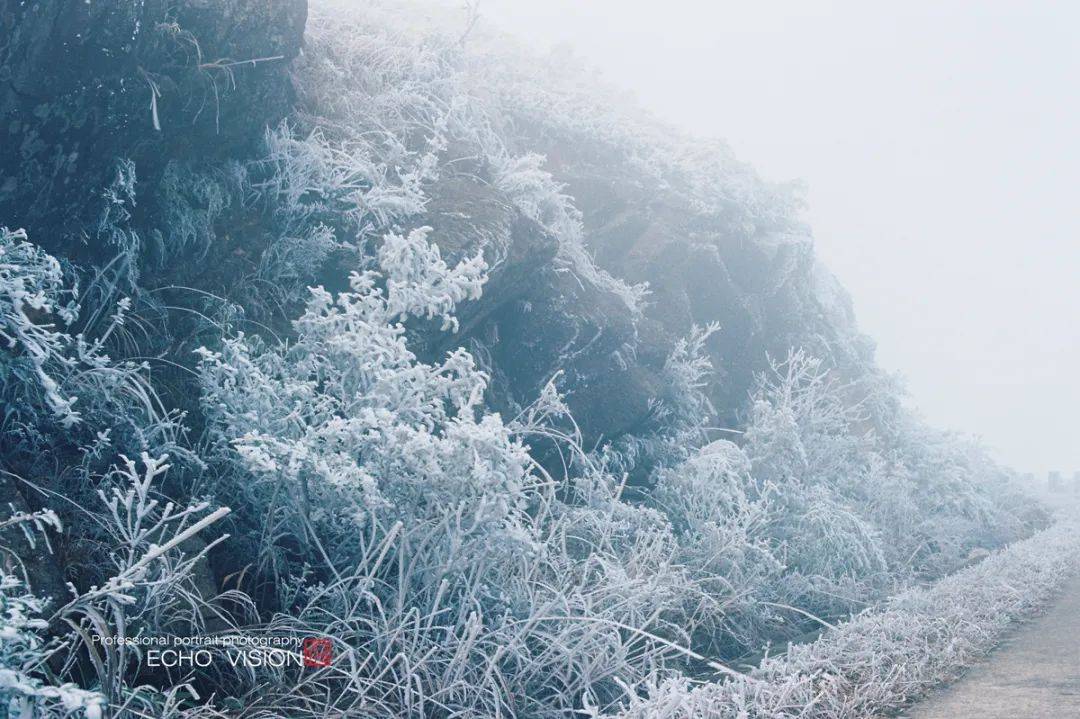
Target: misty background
938 146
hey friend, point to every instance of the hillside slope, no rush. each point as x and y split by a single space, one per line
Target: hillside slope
518 397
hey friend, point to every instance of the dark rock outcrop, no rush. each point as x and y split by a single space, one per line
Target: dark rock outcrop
761 285
467 216
535 319
83 84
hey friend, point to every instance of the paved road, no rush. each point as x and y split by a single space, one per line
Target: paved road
1034 674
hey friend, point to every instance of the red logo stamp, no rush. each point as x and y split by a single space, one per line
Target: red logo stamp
318 652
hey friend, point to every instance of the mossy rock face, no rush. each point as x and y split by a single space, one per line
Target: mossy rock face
83 84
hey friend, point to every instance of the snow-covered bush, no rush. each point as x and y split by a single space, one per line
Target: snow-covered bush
33 296
963 501
141 528
55 368
192 201
289 263
347 422
805 440
24 653
114 227
352 182
887 656
721 516
148 590
681 414
25 689
145 585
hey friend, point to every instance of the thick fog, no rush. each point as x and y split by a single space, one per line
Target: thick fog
939 148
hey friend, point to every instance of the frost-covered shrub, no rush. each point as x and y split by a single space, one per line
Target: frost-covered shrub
114 227
681 413
323 191
315 178
805 442
191 202
24 653
721 517
812 515
800 426
145 586
52 372
887 656
964 500
146 550
858 512
140 529
290 262
348 422
33 295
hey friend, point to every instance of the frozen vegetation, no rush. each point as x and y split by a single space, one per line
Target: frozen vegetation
888 655
367 369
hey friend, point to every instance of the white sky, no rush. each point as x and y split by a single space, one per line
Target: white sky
939 142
